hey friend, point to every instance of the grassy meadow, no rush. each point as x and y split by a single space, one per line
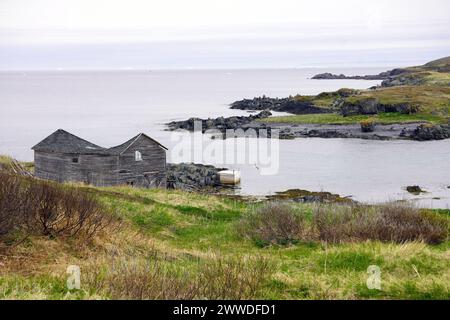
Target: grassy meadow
162 244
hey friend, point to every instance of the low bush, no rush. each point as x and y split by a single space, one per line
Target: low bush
11 202
43 208
388 223
277 223
273 223
368 125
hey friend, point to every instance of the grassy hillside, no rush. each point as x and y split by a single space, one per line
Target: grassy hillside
425 88
334 118
173 244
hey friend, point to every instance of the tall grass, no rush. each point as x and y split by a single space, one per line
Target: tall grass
155 278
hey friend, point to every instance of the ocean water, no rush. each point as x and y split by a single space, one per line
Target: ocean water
108 108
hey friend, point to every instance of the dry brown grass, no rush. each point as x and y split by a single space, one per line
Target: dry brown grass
156 278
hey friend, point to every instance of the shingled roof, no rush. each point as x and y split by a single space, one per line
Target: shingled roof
62 141
124 146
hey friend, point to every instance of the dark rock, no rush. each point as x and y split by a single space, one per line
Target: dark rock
291 105
298 195
363 106
370 106
330 76
395 77
221 123
426 132
389 76
189 176
403 79
416 190
286 134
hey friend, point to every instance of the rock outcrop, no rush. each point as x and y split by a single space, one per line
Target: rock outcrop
368 106
416 190
290 105
221 123
189 176
298 195
331 76
391 78
426 132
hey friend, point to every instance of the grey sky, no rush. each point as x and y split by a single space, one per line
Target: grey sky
86 34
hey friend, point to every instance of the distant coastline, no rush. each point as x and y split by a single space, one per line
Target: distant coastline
411 103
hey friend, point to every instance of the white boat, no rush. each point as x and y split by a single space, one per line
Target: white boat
230 176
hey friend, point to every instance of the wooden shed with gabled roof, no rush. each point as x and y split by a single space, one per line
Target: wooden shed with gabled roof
64 157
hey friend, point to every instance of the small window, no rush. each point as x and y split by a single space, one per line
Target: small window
138 156
75 160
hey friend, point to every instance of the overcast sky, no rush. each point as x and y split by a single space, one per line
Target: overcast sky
116 34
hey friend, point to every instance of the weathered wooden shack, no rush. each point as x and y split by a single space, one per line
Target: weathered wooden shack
64 157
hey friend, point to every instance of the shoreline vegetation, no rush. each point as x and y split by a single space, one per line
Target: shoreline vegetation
133 243
411 103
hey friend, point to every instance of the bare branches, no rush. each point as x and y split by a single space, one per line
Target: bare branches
44 208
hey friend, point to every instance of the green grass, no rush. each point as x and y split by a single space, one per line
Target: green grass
334 118
205 224
190 228
431 98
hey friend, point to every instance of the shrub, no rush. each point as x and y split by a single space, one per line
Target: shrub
273 223
11 203
335 223
60 211
44 208
401 223
368 125
388 223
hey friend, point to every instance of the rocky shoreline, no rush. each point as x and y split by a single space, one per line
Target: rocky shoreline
221 124
193 177
395 77
409 131
402 102
305 196
419 131
289 105
205 178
